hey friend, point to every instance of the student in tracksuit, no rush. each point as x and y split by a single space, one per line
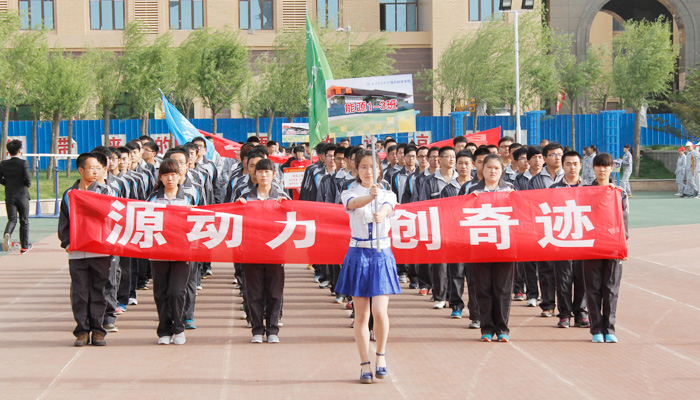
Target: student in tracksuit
568 274
431 189
602 277
494 281
519 165
198 199
170 277
398 184
409 195
627 169
680 171
88 271
264 282
424 271
550 174
535 162
691 189
457 271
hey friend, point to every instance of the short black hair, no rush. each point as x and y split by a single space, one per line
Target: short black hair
253 139
570 153
514 146
262 149
432 149
481 151
471 144
134 142
152 146
551 146
603 160
299 148
82 158
272 143
177 150
459 139
190 146
256 154
519 152
123 149
330 147
533 151
443 149
505 139
345 139
115 151
14 146
409 148
101 157
146 137
132 146
199 139
391 148
465 153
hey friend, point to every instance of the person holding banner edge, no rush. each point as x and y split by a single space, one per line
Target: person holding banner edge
369 272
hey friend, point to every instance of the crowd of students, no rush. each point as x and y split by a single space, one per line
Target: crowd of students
102 286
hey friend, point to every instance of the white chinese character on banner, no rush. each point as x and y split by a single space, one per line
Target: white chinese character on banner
425 225
143 224
572 218
290 226
205 227
486 224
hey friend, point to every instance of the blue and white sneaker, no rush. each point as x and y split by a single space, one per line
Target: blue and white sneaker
457 314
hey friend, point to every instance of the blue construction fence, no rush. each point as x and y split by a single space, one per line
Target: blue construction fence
609 131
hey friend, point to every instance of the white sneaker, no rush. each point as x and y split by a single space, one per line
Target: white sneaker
439 304
403 278
678 194
133 302
179 338
244 315
199 287
256 339
339 299
531 303
6 242
273 339
164 340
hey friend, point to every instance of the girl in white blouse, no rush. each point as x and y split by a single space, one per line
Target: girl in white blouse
369 273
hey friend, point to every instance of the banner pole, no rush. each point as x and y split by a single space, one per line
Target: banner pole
376 179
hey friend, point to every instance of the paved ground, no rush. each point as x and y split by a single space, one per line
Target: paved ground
429 355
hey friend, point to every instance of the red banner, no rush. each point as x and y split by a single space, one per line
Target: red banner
487 137
225 147
534 225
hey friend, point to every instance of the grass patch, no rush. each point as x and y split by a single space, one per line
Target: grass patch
46 187
653 169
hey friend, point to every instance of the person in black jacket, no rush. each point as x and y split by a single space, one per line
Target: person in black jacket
14 175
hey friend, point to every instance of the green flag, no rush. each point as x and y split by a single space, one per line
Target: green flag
317 71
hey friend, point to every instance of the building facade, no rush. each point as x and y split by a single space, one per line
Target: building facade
419 29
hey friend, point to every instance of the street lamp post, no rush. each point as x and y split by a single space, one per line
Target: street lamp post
506 7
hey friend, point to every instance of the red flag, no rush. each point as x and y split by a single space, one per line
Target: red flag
490 136
225 147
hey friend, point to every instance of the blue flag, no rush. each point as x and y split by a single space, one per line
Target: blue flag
182 129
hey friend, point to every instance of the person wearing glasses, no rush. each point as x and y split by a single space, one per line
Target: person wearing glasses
431 189
88 271
504 151
551 173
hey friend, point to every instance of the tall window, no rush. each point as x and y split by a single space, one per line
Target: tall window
36 14
255 14
398 15
106 15
483 10
186 15
328 13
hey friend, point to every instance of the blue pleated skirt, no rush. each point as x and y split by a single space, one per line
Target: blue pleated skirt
368 273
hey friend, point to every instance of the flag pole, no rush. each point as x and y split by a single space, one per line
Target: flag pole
376 200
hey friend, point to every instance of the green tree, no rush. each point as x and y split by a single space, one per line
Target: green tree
442 83
644 62
686 104
574 76
185 90
148 67
66 87
17 52
105 68
221 67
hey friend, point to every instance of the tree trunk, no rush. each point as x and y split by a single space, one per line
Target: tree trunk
70 141
637 141
55 130
573 126
187 107
476 118
272 120
257 125
442 107
213 122
144 123
35 145
105 116
3 136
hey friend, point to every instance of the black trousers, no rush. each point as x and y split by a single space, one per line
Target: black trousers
111 290
169 292
264 290
192 282
494 285
144 272
460 272
333 271
440 280
571 292
402 269
124 280
531 280
18 205
88 277
547 285
602 279
519 280
425 276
